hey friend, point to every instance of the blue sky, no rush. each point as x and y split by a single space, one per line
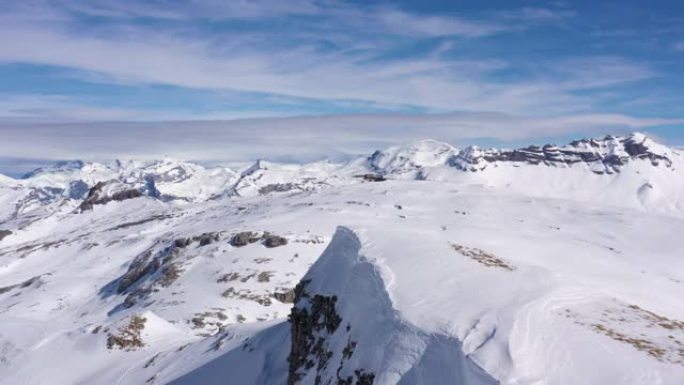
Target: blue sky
565 68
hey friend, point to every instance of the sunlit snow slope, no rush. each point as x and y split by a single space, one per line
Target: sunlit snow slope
421 264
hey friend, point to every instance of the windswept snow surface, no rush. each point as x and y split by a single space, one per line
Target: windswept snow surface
519 273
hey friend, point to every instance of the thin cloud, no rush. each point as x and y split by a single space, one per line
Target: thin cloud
290 63
403 23
296 138
600 71
304 72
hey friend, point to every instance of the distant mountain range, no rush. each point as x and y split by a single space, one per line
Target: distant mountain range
417 264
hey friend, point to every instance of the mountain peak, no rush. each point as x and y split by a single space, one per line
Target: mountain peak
607 154
411 157
59 166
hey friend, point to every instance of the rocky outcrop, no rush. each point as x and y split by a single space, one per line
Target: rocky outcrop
128 337
321 343
267 239
104 192
203 240
372 177
244 238
287 296
158 266
605 155
279 187
31 282
140 267
4 233
272 240
313 320
78 189
344 330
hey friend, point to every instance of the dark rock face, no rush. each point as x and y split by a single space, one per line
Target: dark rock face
309 328
151 187
363 378
244 238
78 189
4 233
96 196
372 177
203 240
271 240
140 267
607 154
33 281
313 320
140 222
287 296
278 187
160 268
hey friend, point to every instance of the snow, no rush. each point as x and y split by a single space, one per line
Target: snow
515 274
407 160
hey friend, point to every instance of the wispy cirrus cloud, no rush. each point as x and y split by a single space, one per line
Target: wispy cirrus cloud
277 60
255 62
318 61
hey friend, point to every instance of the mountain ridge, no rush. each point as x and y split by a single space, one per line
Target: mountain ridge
172 180
425 274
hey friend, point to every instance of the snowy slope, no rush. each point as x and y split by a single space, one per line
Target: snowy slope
175 180
408 161
508 274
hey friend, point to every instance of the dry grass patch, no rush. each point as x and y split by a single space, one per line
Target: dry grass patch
128 337
639 343
482 257
263 300
660 337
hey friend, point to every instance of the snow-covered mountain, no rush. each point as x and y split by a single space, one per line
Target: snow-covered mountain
418 264
634 171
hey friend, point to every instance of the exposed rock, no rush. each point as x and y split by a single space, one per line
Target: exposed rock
244 238
232 276
287 296
169 274
182 243
363 378
271 240
204 239
150 262
262 300
372 177
312 320
207 238
33 281
4 233
278 187
209 319
264 276
128 337
140 222
140 267
606 155
78 189
104 192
